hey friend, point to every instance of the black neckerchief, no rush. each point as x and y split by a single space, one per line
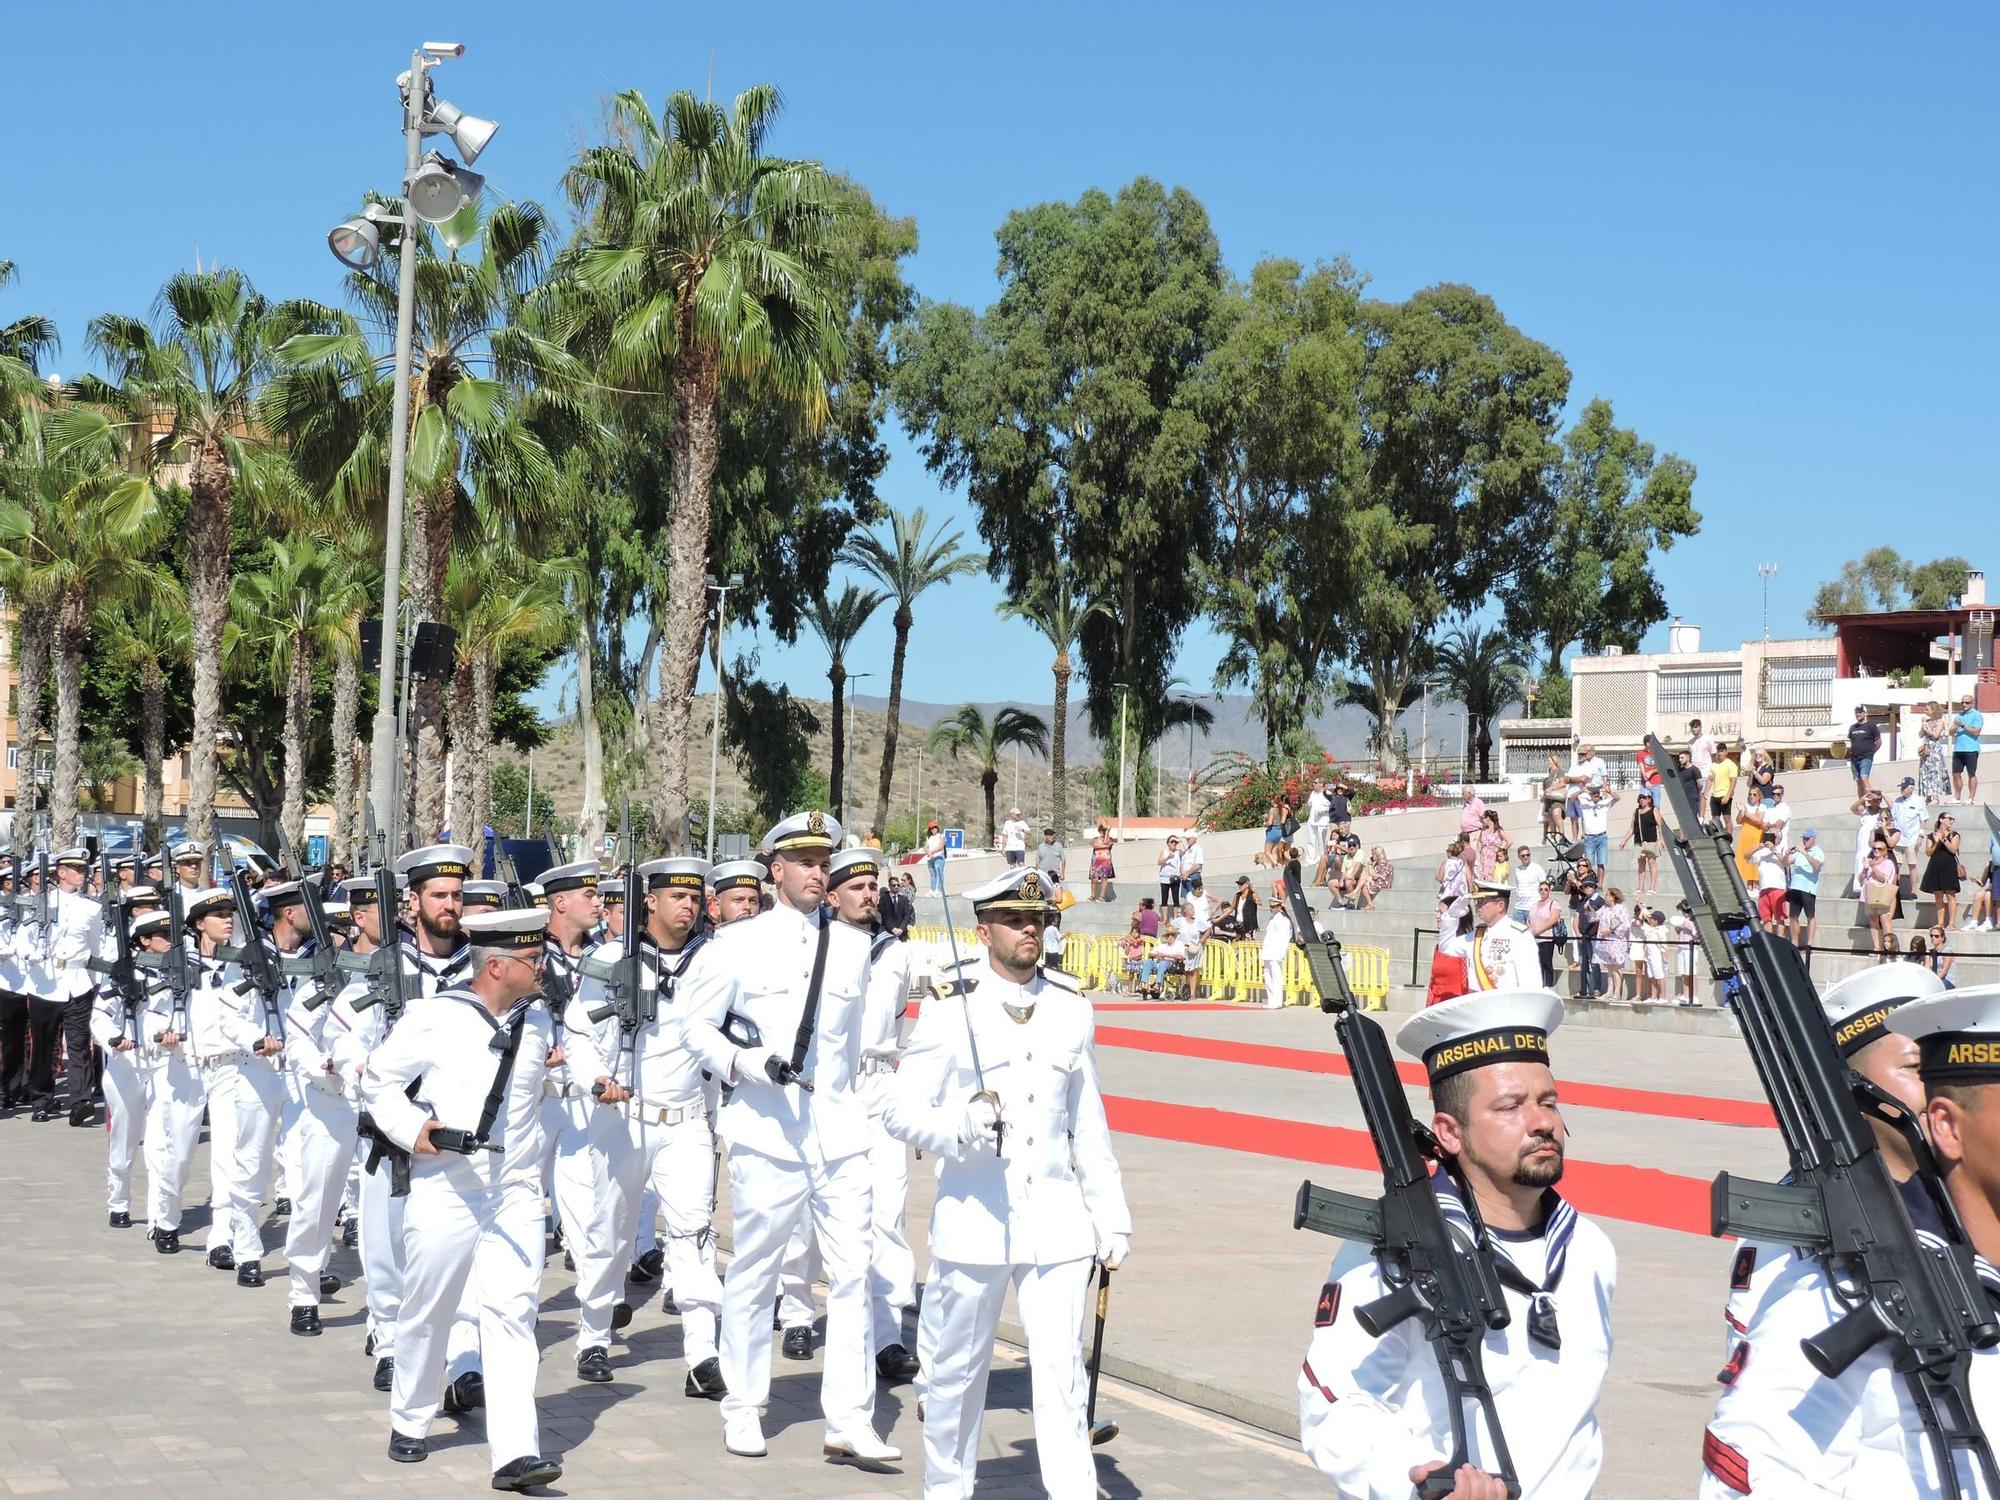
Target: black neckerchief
1557 1228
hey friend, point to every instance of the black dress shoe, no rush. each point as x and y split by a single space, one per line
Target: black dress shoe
350 1233
44 1112
222 1258
670 1307
82 1114
408 1450
368 1346
798 1343
646 1269
328 1283
467 1393
705 1380
526 1473
896 1364
166 1241
120 1219
250 1273
305 1322
621 1316
569 1261
282 1208
594 1365
385 1375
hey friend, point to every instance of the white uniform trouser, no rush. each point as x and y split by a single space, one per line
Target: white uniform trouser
646 1235
322 1148
767 1198
892 1268
382 1255
569 1166
927 1331
173 1129
458 1232
244 1102
801 1268
125 1088
1274 983
1051 1300
675 1161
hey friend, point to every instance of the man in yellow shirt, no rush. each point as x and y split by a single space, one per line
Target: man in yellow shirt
1722 782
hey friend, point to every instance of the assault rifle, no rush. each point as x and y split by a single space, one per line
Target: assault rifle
383 968
633 1006
119 967
1449 1286
173 964
1921 1299
322 964
259 969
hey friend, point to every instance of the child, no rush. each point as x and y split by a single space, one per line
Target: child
1684 951
1659 956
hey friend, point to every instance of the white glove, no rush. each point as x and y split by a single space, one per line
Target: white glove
752 1066
1114 1250
982 1121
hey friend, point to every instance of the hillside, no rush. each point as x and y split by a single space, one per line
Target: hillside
951 791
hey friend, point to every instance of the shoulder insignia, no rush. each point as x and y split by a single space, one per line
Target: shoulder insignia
1739 1272
1329 1305
1062 979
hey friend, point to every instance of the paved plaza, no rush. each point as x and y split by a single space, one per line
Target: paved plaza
125 1369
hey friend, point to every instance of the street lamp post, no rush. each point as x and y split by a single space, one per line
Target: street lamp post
1424 753
721 592
847 746
1123 693
432 191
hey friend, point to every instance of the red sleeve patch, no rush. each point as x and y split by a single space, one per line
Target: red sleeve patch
1725 1463
1739 1274
1317 1384
1329 1305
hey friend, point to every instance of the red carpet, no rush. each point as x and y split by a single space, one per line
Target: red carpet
1638 1195
1301 1060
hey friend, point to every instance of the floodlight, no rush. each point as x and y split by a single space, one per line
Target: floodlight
355 243
440 187
469 133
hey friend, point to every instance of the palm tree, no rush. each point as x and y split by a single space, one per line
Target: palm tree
1485 670
74 525
473 353
24 344
288 617
702 258
985 740
190 386
150 634
837 622
906 563
1054 607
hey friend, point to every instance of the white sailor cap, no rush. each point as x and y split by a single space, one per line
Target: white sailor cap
206 902
583 875
1486 885
436 862
360 890
535 893
1957 1033
737 874
338 914
75 859
854 864
122 862
520 927
192 849
477 893
802 831
285 893
1024 889
152 921
1476 1031
139 895
1858 1007
681 874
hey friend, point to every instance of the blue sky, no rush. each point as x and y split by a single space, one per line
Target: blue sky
1764 232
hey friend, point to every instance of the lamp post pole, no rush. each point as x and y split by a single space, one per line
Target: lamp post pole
847 746
1767 571
721 591
382 789
1123 694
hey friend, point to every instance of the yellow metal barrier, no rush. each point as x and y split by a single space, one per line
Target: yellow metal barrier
1229 971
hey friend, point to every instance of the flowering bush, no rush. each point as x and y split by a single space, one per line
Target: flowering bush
1242 789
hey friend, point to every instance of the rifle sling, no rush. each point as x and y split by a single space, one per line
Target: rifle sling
802 1044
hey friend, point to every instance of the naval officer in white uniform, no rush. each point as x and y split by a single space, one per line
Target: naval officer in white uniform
999 1081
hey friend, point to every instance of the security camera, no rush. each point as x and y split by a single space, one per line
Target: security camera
442 50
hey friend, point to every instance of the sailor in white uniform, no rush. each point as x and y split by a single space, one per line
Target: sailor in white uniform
1372 1413
1000 1083
775 1004
458 1085
1499 952
175 1094
651 1126
1781 1428
118 1027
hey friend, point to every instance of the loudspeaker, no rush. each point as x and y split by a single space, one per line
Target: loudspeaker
431 652
371 645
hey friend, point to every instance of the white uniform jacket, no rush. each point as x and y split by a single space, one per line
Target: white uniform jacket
1500 957
310 1033
452 1042
759 969
1054 1193
662 1070
225 1013
887 1002
1370 1410
1783 1430
76 926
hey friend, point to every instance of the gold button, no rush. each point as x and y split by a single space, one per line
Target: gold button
1031 1098
1031 1141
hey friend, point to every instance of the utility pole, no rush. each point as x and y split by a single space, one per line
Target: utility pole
1123 692
1767 571
721 592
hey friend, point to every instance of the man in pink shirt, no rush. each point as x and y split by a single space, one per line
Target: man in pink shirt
1470 812
1701 751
